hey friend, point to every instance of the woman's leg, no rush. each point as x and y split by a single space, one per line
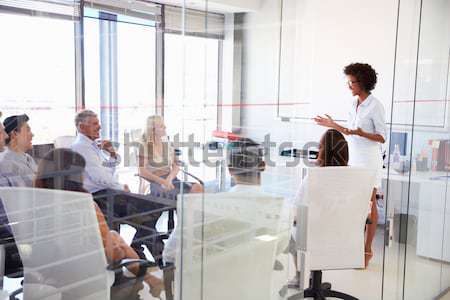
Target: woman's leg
371 228
156 285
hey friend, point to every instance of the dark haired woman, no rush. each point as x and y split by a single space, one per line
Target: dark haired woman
62 169
366 130
333 152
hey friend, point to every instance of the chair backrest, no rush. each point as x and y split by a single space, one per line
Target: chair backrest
59 242
227 245
64 141
331 221
132 157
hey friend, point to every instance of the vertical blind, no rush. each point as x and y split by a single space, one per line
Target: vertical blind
134 8
66 9
198 23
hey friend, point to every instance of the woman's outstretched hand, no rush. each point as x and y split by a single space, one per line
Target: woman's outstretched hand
326 121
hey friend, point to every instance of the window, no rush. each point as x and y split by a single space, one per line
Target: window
119 71
37 73
191 73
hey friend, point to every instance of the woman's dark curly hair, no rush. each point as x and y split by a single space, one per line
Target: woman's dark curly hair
364 73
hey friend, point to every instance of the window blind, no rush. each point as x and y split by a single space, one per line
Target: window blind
134 8
66 9
197 23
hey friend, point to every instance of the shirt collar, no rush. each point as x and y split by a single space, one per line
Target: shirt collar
367 101
83 138
21 156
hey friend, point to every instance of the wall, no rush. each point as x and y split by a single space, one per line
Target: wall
260 62
311 69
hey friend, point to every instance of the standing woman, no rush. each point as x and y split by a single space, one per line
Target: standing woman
366 130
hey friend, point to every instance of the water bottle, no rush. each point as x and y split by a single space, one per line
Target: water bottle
396 154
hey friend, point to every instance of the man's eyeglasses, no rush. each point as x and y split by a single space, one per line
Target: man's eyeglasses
350 82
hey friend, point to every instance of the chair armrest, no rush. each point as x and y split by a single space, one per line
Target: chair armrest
183 171
193 176
13 295
302 227
143 265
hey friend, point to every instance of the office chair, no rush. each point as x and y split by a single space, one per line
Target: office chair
64 141
227 244
60 245
330 222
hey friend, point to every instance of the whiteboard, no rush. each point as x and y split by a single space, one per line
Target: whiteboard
318 39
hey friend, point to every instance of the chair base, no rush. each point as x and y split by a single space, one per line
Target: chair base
319 291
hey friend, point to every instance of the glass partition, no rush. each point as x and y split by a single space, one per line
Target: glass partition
231 237
416 260
212 107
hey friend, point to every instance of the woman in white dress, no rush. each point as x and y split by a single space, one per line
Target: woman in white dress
366 131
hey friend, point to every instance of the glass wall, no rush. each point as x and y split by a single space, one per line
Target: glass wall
232 197
416 259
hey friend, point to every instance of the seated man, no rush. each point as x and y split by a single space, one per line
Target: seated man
15 163
101 182
231 224
13 264
245 164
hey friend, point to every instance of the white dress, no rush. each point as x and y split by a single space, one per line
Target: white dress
370 117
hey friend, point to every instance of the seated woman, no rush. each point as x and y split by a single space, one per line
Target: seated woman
52 174
158 163
333 152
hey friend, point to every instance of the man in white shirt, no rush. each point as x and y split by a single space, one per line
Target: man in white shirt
100 180
15 163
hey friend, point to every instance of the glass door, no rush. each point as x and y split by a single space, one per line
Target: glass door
417 252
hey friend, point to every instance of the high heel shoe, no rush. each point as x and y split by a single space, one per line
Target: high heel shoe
367 257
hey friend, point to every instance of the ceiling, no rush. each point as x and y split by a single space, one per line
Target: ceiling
222 6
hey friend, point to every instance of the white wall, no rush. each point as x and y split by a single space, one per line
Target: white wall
318 39
260 61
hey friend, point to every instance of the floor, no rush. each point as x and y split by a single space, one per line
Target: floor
366 284
424 278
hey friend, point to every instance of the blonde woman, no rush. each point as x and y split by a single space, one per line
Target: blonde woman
158 163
